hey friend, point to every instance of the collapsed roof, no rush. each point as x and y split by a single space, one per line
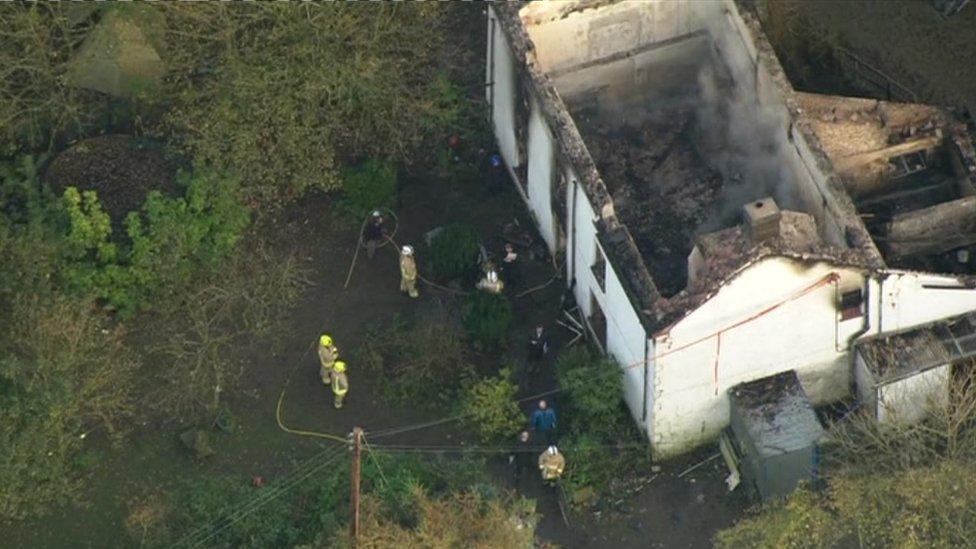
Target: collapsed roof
675 115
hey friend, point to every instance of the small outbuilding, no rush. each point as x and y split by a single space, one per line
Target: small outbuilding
899 376
774 435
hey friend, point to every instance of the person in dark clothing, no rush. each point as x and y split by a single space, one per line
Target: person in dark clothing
510 265
522 457
496 172
538 344
373 233
543 422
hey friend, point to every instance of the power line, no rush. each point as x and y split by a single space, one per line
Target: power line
303 471
404 429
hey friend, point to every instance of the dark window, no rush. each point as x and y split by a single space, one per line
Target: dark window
598 322
851 305
599 268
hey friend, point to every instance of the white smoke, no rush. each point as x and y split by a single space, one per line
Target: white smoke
739 136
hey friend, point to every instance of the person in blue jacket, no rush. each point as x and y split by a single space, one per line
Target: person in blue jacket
543 422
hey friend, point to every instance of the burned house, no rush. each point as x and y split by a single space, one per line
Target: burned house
718 226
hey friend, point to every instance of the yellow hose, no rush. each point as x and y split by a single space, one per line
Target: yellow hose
300 432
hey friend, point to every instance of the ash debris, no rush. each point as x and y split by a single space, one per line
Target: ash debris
661 188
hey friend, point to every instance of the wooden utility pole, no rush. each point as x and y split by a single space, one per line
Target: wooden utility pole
357 439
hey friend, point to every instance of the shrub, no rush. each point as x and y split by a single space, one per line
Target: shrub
415 364
490 408
454 251
174 241
486 317
460 519
348 89
204 508
592 412
368 186
64 373
177 239
591 384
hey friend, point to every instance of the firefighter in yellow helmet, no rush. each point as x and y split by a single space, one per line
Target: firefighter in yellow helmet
340 383
491 283
551 465
408 272
328 354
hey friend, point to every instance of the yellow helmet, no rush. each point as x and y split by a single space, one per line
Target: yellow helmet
325 340
339 366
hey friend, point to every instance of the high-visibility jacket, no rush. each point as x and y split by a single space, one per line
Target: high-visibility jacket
328 355
551 465
340 383
408 268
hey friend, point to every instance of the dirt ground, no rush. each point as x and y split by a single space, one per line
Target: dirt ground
908 40
670 511
120 168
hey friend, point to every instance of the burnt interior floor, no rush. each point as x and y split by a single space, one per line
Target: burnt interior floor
662 188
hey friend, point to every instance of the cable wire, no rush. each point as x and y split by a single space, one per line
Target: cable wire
303 471
407 428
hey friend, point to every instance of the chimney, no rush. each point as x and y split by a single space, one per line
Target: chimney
761 219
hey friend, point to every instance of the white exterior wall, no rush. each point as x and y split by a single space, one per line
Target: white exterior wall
864 384
588 35
625 334
907 400
906 302
502 92
804 334
541 169
625 342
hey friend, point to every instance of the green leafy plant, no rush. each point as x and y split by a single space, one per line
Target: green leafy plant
454 251
368 186
592 386
173 241
490 408
596 422
486 317
63 372
417 364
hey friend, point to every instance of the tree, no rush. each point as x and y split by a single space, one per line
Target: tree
357 82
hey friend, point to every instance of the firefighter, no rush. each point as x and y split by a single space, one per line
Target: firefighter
551 465
491 283
408 272
328 354
340 383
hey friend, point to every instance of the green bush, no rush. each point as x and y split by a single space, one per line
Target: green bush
606 447
177 239
591 384
489 407
454 251
486 317
368 186
172 241
415 364
347 90
63 372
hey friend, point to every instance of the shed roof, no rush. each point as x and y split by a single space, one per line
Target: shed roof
896 356
777 414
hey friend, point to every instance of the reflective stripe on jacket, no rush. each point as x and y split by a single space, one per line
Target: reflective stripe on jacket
340 383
